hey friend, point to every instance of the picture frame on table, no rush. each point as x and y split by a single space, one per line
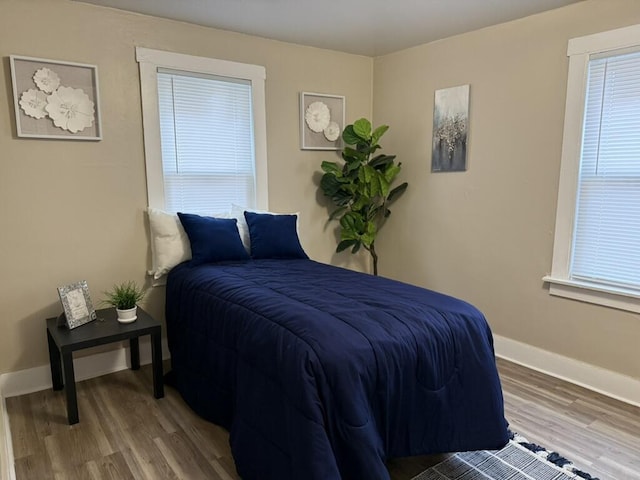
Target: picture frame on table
77 305
55 99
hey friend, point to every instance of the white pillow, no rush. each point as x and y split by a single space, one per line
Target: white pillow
237 212
169 242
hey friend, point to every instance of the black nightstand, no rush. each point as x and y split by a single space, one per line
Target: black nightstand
106 329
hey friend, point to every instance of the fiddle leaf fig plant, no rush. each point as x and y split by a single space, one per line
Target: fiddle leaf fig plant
361 187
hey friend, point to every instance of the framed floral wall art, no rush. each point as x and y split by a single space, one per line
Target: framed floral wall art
54 99
321 121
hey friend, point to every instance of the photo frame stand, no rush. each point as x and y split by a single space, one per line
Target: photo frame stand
77 305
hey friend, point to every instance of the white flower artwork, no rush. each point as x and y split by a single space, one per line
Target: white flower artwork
54 99
321 121
70 109
317 117
33 103
332 132
46 79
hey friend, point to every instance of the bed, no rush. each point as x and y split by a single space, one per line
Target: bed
319 372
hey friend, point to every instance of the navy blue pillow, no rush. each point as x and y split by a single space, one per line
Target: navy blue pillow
213 239
274 236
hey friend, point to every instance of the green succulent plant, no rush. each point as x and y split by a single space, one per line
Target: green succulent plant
361 187
124 296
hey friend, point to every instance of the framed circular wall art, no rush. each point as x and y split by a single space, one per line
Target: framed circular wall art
321 121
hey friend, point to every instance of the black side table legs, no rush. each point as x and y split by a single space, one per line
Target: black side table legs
70 388
156 360
63 342
134 348
55 363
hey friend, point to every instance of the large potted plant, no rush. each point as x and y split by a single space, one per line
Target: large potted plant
361 187
125 297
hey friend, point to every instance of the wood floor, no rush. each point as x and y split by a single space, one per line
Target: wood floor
124 433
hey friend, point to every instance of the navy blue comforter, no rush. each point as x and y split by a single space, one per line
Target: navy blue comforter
323 373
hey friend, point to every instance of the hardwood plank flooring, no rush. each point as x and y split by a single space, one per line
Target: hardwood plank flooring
598 434
124 433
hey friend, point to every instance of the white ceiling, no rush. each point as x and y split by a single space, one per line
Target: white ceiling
366 27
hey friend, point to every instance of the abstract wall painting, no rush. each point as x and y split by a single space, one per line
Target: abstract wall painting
450 129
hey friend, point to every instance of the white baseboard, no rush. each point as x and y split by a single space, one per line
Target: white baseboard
39 378
606 382
7 471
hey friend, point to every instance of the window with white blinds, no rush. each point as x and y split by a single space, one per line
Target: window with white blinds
205 136
607 231
596 251
206 132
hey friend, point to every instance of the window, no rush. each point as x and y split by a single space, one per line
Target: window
596 254
204 132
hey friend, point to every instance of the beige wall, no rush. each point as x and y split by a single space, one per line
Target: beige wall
486 235
74 210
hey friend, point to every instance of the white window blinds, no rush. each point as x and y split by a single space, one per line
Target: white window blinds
606 243
206 129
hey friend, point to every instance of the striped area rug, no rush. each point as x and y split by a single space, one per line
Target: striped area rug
518 460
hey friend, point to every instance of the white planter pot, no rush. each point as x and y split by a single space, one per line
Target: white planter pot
127 316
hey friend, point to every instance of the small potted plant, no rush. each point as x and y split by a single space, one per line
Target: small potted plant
125 297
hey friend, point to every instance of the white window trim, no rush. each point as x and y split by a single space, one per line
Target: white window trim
579 51
149 61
